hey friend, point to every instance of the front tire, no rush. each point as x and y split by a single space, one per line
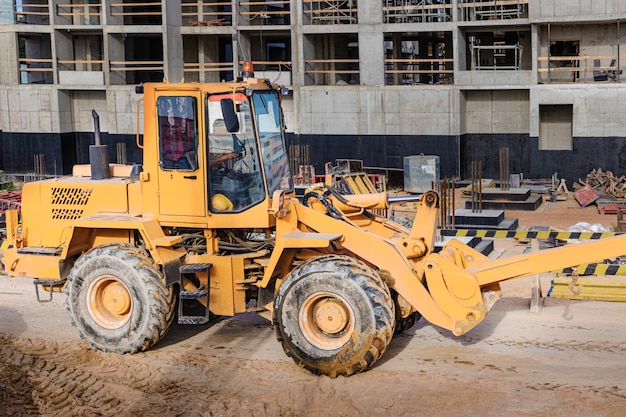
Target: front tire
117 299
334 316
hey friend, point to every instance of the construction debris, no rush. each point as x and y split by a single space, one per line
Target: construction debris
586 195
607 182
350 176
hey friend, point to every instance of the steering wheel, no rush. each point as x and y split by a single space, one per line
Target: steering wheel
239 148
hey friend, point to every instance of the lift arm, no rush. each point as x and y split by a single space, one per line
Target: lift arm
487 272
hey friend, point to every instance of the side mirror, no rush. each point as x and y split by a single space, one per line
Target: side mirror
230 117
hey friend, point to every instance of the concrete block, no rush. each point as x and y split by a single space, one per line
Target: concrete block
484 218
533 203
513 194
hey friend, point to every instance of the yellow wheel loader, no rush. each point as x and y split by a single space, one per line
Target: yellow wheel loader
209 224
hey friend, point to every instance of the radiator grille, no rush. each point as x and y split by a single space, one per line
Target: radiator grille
70 196
66 214
72 201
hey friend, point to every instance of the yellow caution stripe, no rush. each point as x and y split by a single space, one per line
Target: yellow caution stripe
596 269
527 234
588 290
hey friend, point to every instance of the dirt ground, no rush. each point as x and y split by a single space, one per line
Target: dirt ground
567 361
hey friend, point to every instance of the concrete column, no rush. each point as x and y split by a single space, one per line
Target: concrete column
371 43
397 53
172 41
297 45
7 12
534 47
8 65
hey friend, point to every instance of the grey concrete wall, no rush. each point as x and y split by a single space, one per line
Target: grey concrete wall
491 78
391 110
46 109
30 109
598 110
575 10
121 108
495 111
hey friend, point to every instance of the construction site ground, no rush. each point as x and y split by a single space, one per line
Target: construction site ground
568 360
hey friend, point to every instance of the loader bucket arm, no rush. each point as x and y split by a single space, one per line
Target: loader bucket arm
387 255
487 271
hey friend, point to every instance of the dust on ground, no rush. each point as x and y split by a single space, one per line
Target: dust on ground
567 360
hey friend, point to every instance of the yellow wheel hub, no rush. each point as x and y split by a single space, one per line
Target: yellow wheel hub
326 320
110 303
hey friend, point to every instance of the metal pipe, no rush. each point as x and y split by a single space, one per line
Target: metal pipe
404 198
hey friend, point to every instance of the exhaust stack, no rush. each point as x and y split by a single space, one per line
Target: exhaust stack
98 153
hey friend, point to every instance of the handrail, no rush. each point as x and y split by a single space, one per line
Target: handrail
582 67
263 3
80 61
417 60
31 6
200 3
286 63
36 61
267 12
127 65
207 66
79 6
330 71
142 13
67 62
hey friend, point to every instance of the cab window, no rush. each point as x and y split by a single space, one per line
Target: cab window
178 133
235 178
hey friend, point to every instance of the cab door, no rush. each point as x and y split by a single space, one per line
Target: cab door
182 190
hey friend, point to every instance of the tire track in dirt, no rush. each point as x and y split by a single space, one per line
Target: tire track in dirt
65 378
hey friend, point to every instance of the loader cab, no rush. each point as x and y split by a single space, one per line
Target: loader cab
220 152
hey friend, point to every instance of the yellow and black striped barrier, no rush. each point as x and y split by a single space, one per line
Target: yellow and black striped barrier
527 234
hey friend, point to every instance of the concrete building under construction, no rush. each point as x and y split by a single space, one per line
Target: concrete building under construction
374 80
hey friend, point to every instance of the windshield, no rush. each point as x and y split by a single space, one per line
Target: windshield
235 176
268 118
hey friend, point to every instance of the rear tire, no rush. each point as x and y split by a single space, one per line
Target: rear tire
117 299
334 316
405 323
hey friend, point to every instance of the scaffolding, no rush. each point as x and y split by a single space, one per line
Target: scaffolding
332 12
496 57
472 10
417 11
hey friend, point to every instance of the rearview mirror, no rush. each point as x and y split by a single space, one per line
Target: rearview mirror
230 117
